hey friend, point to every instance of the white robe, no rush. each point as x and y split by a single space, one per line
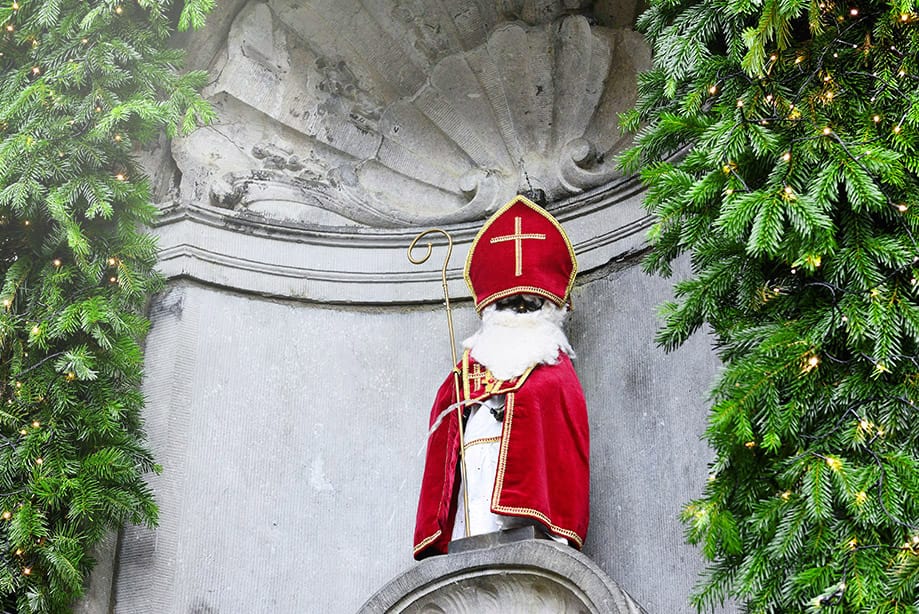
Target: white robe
483 442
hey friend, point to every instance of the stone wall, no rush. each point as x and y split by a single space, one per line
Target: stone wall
295 352
292 434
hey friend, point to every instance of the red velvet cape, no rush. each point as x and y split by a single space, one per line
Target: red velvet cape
543 464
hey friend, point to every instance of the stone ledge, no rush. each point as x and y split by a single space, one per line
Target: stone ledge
533 575
241 251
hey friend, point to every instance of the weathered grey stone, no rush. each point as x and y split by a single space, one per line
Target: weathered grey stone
98 596
522 577
295 352
497 538
252 253
292 438
421 116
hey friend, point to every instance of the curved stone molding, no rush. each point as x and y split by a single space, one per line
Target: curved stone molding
251 252
521 577
428 112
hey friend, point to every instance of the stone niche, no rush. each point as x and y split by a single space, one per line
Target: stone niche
294 354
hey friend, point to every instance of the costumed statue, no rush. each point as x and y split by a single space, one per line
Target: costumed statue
525 422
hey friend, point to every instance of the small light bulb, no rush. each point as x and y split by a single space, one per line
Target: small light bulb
829 95
789 190
119 10
15 6
27 571
112 279
26 223
902 207
729 191
853 11
84 40
35 330
827 131
813 361
750 444
117 138
786 495
120 177
876 118
835 55
39 460
739 103
768 97
6 302
23 432
773 57
7 514
10 27
18 551
36 70
56 262
901 73
799 59
36 424
897 129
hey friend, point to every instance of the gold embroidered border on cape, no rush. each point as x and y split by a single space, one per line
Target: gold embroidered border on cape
424 543
499 390
496 507
483 440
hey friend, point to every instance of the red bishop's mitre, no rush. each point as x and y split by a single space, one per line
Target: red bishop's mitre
520 249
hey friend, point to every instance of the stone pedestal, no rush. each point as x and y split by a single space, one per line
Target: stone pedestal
511 572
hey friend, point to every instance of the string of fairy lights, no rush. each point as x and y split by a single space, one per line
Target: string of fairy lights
20 43
809 112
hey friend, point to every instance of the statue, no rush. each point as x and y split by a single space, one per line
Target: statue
524 420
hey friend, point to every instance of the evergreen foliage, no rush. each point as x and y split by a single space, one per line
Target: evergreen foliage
82 85
779 140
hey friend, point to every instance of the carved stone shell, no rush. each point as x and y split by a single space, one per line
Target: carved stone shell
400 113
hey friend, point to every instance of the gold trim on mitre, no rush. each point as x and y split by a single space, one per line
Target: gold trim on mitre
558 300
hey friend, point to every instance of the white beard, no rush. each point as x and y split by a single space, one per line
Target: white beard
508 343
